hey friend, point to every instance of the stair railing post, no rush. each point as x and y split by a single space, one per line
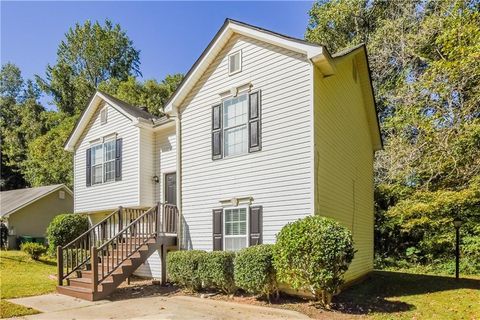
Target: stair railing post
94 262
120 218
60 265
158 219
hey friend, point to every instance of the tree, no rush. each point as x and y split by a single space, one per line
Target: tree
20 122
151 94
89 55
425 68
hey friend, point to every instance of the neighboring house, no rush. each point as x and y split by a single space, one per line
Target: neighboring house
28 212
264 130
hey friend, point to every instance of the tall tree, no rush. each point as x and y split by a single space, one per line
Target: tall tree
425 66
150 94
89 55
19 124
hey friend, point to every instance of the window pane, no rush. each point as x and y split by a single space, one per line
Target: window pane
97 174
109 150
110 171
236 222
236 140
97 154
235 111
235 244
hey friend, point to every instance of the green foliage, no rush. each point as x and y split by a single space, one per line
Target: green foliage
34 250
216 270
183 268
313 254
151 94
90 54
64 228
47 161
254 271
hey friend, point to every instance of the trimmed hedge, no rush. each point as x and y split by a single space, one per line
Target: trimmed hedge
313 254
254 270
34 250
65 228
182 268
216 270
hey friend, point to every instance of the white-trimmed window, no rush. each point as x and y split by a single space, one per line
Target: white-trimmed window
103 161
235 130
235 226
104 115
235 62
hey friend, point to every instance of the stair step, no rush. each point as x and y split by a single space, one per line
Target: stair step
77 292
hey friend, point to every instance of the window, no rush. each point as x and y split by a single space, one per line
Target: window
61 195
235 229
235 62
235 118
103 162
103 115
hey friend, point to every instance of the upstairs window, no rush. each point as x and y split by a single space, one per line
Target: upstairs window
235 131
103 162
235 62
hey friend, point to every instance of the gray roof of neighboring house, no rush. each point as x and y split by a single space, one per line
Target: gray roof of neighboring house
13 200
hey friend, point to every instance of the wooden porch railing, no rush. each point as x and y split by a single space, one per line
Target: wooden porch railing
114 239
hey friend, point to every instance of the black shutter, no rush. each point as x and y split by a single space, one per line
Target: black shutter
217 229
88 174
217 132
254 124
256 225
118 160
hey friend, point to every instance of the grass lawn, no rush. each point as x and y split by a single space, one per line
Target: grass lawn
21 276
396 295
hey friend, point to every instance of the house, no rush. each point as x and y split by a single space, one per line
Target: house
265 129
28 212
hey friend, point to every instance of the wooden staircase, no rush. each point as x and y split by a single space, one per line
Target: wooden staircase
98 261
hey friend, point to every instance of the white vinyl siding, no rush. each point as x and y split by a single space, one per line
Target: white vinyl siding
344 161
147 167
279 176
164 162
108 196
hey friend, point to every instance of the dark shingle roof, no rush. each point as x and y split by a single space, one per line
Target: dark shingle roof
132 110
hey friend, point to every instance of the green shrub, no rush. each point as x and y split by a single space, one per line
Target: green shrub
65 228
34 250
313 254
216 270
182 268
254 271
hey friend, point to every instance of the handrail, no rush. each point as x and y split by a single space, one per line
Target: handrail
113 240
111 254
124 229
91 228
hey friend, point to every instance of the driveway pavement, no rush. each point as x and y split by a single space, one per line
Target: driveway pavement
55 306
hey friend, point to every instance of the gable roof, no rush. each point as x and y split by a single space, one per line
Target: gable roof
135 114
14 200
317 53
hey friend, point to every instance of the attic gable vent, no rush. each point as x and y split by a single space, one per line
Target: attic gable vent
103 115
235 62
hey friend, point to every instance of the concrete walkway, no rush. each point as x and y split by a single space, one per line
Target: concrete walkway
61 307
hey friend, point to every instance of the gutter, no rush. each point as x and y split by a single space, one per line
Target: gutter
178 164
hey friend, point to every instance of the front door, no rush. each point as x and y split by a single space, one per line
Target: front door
171 188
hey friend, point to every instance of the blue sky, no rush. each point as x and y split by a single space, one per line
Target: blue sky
170 35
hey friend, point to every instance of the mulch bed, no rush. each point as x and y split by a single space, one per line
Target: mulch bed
141 288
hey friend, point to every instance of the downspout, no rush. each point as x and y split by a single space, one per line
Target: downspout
178 159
